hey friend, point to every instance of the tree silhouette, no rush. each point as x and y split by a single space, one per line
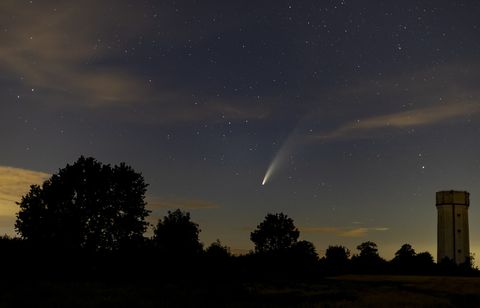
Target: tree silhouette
447 266
177 236
87 205
218 260
337 259
425 258
405 259
405 252
424 263
277 232
368 249
304 251
468 265
337 254
218 251
368 261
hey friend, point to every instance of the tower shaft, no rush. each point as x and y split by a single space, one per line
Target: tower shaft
452 227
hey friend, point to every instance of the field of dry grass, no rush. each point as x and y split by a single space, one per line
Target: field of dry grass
343 291
401 291
372 291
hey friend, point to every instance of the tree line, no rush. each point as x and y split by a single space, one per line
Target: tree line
89 220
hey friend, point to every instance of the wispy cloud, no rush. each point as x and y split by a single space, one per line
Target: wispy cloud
14 183
45 47
342 232
50 48
380 229
406 119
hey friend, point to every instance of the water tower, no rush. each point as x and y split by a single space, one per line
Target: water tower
452 226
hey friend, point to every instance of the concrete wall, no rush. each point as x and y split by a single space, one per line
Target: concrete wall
452 226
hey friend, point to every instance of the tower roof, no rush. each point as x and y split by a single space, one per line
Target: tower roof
453 197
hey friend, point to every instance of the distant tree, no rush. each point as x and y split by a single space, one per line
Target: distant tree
368 250
405 252
298 261
277 232
468 266
368 261
218 262
218 251
447 266
424 258
471 261
337 259
405 259
87 205
177 236
424 263
337 254
304 251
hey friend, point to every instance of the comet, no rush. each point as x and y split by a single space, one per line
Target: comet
277 162
281 157
297 138
270 171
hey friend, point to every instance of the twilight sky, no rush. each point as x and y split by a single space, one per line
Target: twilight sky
353 113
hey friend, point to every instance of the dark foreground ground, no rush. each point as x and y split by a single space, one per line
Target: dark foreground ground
344 291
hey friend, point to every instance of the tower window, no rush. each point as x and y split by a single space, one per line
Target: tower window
459 251
458 215
459 230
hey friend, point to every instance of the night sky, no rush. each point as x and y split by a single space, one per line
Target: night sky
357 111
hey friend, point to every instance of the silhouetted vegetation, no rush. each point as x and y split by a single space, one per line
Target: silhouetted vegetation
176 236
337 260
407 261
218 251
278 253
87 223
368 260
88 206
275 233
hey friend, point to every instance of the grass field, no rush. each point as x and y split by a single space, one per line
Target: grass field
404 291
344 291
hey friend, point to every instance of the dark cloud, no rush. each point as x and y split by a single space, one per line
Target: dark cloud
46 50
342 232
406 119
